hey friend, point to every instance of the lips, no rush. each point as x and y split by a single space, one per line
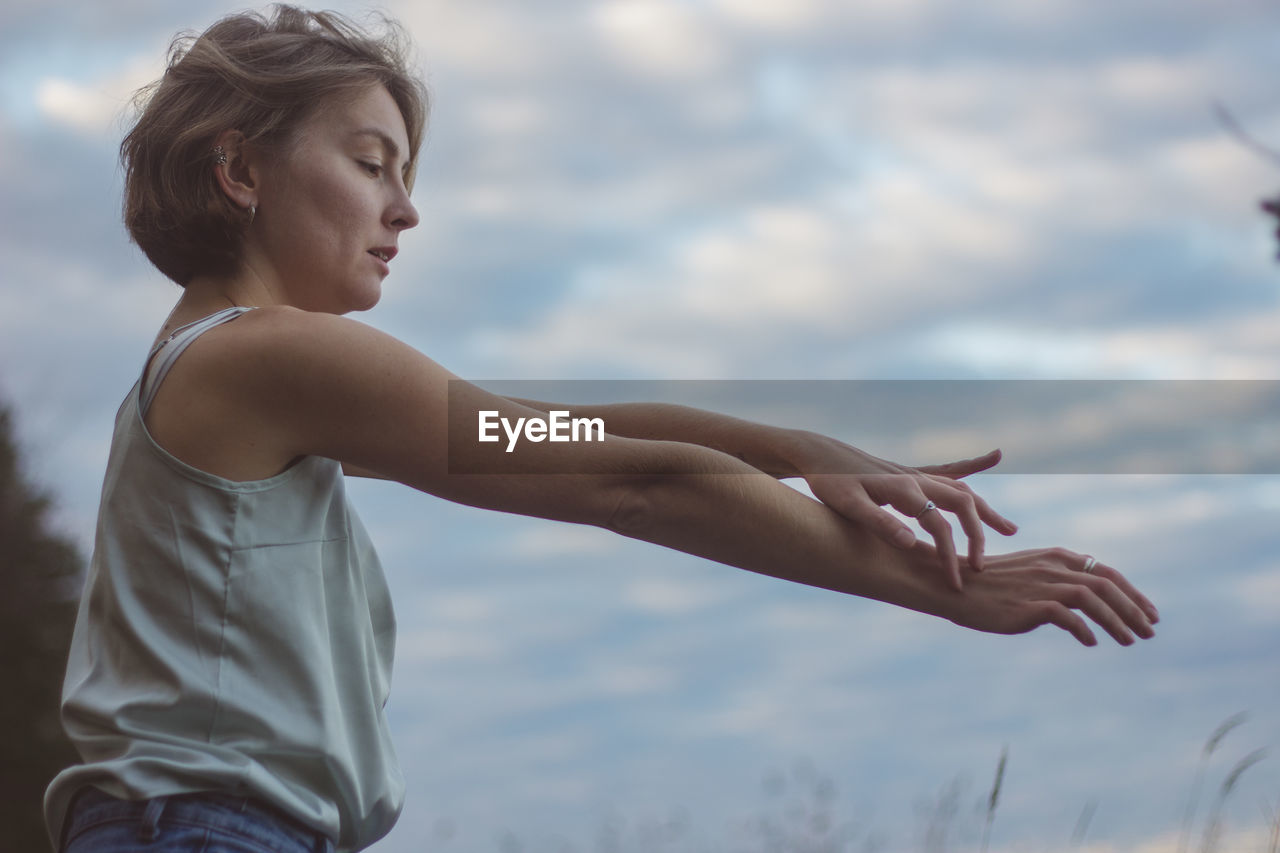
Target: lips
384 253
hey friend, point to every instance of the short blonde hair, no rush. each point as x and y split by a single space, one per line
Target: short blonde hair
263 75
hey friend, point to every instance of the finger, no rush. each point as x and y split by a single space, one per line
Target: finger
906 496
859 507
985 511
1128 609
993 518
908 499
1148 609
935 524
1053 613
963 467
1084 599
961 501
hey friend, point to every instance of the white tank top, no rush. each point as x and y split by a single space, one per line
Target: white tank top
232 636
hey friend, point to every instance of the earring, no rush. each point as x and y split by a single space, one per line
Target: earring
253 211
219 155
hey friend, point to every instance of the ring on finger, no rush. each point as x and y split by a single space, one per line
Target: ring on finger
928 505
1089 564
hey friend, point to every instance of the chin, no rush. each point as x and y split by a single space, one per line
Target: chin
362 300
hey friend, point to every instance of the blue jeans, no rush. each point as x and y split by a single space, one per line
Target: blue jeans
189 823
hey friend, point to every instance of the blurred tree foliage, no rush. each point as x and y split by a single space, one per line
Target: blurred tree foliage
40 577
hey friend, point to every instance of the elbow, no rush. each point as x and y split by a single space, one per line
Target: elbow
634 512
661 486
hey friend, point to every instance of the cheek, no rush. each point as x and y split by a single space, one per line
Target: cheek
343 211
325 222
323 219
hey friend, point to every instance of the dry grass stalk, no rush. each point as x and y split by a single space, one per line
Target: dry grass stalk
1193 800
1213 828
994 799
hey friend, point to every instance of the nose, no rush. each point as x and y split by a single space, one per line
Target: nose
406 218
402 215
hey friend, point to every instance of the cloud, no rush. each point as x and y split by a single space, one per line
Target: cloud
552 541
494 40
94 108
966 195
1258 594
1237 347
766 275
667 597
949 191
658 38
773 16
453 646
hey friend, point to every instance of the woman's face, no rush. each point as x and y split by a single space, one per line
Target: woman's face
332 205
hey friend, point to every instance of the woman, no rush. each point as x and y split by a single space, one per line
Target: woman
233 649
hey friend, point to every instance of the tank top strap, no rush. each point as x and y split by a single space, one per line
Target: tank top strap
167 351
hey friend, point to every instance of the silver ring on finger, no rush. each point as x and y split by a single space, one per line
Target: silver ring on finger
1089 564
928 505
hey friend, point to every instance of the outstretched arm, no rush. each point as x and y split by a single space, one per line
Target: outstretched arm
331 386
743 518
854 483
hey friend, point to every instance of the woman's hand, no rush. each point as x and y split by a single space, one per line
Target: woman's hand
856 485
1026 589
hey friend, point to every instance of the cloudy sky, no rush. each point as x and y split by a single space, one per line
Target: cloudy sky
759 189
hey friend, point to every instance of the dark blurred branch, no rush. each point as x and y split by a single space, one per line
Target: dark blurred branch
1235 129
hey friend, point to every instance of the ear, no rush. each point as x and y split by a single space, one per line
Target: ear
238 177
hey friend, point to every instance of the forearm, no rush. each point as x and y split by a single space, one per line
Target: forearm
734 515
704 483
773 450
729 513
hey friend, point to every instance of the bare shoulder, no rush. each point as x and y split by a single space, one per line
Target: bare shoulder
276 383
285 350
275 329
286 358
207 410
323 384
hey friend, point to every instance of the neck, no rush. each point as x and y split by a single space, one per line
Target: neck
244 290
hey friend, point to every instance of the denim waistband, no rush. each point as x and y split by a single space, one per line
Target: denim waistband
240 815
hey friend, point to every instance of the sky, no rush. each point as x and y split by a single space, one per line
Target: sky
765 190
